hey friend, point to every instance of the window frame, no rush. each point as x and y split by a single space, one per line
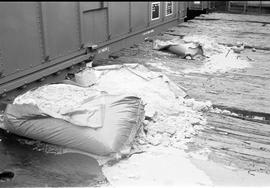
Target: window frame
166 6
159 4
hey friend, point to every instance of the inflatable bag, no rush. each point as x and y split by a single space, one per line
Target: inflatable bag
119 118
179 47
184 50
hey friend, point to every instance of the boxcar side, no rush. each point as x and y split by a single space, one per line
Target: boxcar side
41 39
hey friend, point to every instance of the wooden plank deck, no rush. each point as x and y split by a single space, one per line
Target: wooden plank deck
244 143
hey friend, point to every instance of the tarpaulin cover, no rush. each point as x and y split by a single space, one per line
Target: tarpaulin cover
154 88
116 118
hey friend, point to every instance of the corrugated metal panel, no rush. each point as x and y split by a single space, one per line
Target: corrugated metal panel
86 6
118 18
238 2
19 36
61 24
36 36
95 26
253 3
265 3
182 8
205 4
196 5
139 17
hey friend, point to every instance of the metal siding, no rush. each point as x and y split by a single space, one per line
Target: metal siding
193 6
19 36
139 15
206 4
238 2
265 3
118 18
61 28
95 27
162 11
31 31
182 8
86 6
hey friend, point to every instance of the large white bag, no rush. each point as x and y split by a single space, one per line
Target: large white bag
117 118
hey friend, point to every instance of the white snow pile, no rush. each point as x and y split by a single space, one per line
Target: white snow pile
221 58
155 89
210 46
158 167
222 63
171 119
157 157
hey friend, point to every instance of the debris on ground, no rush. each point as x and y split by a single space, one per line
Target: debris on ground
188 50
221 58
238 48
170 122
159 166
236 143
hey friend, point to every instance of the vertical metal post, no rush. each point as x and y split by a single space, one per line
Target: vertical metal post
80 25
161 12
245 7
178 10
129 17
108 21
43 31
260 7
229 6
148 13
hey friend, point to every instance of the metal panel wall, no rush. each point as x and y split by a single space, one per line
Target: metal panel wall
19 37
182 8
61 26
40 38
119 18
86 6
265 3
139 15
205 4
196 5
94 24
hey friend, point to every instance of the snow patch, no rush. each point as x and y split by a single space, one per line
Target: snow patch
221 58
157 157
158 166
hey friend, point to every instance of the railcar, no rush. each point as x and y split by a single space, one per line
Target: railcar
203 6
258 7
42 42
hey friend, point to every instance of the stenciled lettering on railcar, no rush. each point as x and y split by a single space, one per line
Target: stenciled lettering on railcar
102 50
155 10
148 32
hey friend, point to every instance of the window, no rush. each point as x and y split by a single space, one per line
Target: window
155 10
197 2
169 8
